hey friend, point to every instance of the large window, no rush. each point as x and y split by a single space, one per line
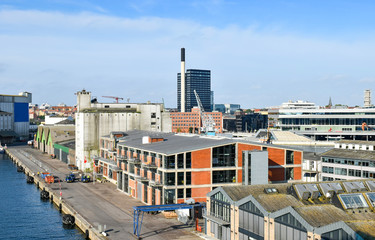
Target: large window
251 221
220 207
170 161
288 227
228 176
224 156
170 179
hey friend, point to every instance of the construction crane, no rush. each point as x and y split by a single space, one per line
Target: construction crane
208 123
117 98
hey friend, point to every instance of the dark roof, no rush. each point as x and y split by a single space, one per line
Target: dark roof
350 153
173 143
69 144
270 202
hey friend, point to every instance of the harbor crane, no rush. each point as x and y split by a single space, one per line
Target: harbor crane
117 98
208 123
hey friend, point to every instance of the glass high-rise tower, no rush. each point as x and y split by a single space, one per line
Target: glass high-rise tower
200 81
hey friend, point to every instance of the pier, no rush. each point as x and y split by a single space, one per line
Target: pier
96 207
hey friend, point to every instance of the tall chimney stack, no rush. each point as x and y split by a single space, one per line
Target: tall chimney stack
183 85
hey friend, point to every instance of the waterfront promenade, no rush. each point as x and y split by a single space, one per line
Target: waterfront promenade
101 203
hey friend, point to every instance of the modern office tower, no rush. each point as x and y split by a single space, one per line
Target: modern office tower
367 101
193 79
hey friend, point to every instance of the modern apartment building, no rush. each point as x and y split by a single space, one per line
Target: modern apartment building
349 160
162 168
330 211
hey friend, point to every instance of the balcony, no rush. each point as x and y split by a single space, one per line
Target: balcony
142 179
134 161
154 183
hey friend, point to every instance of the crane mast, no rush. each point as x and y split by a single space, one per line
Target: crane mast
208 123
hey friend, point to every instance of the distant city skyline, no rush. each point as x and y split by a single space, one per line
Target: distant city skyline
260 53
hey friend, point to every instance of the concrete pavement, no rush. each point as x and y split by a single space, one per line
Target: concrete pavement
102 203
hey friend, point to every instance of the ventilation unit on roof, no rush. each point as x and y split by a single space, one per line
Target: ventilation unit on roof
370 185
329 189
302 192
352 187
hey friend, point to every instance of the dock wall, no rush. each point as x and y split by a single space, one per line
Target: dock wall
80 221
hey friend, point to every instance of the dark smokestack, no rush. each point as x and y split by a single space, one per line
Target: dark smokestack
182 54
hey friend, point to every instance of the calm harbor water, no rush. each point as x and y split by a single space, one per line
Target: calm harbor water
22 214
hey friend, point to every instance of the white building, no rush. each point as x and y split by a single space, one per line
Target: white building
94 120
349 160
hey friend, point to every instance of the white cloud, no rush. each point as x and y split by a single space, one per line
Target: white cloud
139 58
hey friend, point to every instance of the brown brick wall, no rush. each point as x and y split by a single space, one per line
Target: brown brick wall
201 158
276 156
297 157
297 173
199 178
276 174
243 147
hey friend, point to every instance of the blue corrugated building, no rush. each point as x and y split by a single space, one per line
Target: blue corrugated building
14 117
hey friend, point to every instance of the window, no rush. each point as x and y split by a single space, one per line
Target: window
188 178
228 176
289 173
188 192
224 156
180 178
289 157
180 160
170 162
170 179
188 160
169 195
180 193
153 115
341 171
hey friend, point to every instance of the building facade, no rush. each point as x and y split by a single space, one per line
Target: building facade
349 160
161 168
340 210
14 117
191 122
200 81
94 120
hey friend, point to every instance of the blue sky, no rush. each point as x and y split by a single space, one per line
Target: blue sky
261 53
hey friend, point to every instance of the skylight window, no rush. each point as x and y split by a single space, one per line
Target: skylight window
352 201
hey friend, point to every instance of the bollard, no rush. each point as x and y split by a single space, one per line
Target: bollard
87 234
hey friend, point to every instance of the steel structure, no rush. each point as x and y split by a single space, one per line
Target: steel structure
116 98
208 123
137 210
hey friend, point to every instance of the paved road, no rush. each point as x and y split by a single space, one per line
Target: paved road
102 203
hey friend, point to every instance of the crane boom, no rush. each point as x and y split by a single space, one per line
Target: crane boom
117 98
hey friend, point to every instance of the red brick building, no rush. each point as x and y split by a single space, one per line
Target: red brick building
162 168
186 122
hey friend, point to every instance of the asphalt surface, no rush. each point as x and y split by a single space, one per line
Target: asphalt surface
102 204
